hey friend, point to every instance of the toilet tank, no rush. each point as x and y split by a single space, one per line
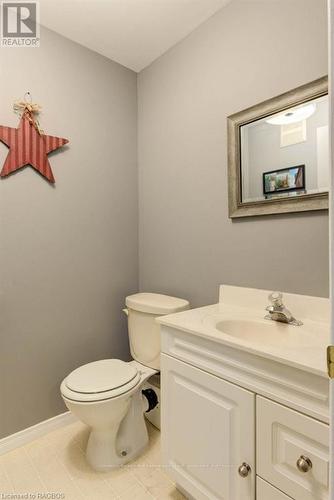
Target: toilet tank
144 332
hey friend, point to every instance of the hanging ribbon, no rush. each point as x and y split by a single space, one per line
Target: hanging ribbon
29 109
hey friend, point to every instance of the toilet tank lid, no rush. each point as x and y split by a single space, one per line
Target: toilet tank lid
156 303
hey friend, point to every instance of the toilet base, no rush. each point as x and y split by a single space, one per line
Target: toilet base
125 440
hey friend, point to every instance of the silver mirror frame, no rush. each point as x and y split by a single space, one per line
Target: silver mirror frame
302 203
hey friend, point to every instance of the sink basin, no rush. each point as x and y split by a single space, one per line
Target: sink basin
266 332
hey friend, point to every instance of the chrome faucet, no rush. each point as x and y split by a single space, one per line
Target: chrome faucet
278 312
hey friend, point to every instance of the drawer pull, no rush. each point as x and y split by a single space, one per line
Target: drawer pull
244 469
304 464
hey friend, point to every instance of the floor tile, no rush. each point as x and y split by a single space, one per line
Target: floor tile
137 492
56 463
21 473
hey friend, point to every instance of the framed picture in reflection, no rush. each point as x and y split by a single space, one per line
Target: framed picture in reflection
284 180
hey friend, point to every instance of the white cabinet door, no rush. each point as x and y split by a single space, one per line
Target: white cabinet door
208 431
292 451
264 491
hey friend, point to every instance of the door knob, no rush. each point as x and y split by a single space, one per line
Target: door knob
244 469
304 464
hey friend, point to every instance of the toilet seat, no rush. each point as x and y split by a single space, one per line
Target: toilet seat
100 380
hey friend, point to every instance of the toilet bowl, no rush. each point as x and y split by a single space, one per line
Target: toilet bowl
107 395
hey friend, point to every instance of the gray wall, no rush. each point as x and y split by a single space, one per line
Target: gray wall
68 253
248 52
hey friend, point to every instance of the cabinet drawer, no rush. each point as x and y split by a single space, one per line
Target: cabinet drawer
283 436
264 491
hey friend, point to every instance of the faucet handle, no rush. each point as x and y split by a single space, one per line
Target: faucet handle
276 298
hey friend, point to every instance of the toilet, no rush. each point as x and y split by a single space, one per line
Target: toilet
108 395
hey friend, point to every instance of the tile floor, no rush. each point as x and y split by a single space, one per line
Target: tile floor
56 464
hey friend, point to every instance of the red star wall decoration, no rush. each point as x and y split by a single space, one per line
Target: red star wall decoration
28 147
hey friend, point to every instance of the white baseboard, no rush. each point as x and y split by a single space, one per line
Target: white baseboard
31 433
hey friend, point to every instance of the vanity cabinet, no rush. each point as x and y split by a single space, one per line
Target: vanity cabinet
221 408
208 433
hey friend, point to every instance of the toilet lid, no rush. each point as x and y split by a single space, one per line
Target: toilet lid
101 376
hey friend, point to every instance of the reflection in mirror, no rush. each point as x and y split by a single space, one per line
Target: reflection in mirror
286 154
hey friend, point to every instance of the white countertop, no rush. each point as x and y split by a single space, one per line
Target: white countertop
307 353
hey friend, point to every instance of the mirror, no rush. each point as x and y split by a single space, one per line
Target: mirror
279 154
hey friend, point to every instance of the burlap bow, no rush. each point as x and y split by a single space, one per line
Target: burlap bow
29 109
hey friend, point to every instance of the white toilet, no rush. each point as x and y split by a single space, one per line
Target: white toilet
107 394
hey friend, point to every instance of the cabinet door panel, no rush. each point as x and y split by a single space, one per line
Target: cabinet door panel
264 491
283 436
208 431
